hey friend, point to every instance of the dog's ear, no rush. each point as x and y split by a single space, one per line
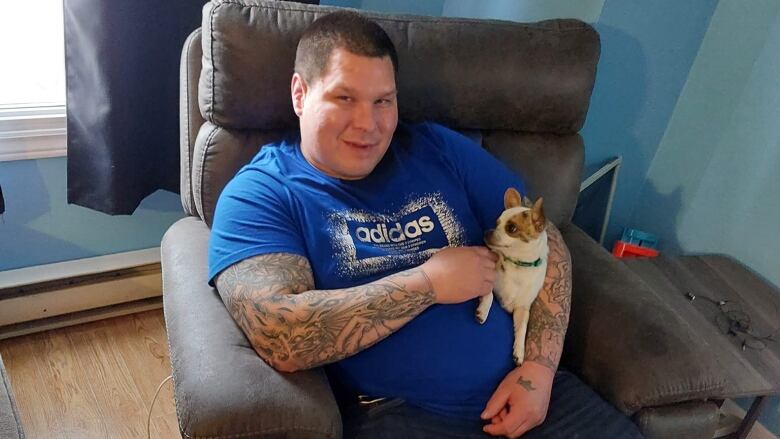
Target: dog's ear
511 198
527 202
537 214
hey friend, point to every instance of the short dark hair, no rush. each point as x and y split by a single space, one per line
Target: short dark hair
341 29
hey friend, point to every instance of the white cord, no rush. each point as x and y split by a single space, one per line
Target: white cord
149 419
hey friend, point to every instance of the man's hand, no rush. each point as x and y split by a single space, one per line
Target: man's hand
520 402
458 274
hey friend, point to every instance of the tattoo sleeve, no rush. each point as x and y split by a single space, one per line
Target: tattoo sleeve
550 311
293 327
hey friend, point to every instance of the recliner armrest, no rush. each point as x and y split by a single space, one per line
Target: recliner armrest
10 421
222 388
624 340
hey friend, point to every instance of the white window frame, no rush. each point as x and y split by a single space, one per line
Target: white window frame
32 132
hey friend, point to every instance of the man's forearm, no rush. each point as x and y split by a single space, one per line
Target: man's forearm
550 311
293 327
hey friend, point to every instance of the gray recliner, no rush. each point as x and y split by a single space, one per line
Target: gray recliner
522 91
10 422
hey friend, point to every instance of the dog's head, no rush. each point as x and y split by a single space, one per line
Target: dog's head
521 221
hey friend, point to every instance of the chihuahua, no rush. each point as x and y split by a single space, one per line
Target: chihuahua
520 240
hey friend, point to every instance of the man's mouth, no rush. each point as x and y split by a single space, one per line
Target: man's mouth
360 145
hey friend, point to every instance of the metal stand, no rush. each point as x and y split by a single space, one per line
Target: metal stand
612 165
750 418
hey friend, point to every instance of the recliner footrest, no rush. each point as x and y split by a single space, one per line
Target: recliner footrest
746 368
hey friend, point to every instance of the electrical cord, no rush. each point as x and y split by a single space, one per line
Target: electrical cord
151 406
733 321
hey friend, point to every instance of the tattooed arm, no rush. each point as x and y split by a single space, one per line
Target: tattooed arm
293 326
521 400
550 311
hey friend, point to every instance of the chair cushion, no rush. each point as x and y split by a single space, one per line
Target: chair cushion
688 420
525 99
10 424
483 74
626 341
550 164
747 372
221 386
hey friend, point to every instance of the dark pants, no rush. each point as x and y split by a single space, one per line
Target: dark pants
576 412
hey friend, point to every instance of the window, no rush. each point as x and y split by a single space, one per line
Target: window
32 80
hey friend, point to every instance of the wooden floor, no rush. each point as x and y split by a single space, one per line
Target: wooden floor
95 380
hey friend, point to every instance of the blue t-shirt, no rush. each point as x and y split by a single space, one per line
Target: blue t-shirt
433 188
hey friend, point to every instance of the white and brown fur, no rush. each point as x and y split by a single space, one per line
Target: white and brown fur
520 235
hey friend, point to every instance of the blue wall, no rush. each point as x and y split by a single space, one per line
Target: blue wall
528 10
39 227
647 52
712 187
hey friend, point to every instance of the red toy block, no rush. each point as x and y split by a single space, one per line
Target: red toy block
622 249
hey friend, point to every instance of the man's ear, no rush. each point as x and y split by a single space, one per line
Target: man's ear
298 90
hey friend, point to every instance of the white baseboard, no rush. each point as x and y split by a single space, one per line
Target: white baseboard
78 267
50 293
80 317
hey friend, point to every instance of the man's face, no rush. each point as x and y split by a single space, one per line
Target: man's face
348 115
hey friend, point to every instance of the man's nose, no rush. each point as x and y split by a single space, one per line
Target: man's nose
364 118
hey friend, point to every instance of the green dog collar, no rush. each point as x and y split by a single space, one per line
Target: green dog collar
519 263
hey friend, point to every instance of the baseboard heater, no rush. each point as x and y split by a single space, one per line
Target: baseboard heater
66 293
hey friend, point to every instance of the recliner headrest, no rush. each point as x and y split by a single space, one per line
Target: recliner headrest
542 83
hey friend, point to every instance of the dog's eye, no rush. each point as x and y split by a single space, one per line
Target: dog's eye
510 228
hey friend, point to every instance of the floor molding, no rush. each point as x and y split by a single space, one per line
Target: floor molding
77 268
56 295
77 318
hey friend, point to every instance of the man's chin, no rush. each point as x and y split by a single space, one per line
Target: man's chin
356 174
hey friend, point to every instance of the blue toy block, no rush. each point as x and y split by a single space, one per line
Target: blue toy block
640 238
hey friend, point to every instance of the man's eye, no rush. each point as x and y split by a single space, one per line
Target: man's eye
383 101
344 98
510 228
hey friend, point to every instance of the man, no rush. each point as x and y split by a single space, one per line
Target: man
358 246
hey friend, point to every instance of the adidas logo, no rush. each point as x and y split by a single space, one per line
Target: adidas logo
395 233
